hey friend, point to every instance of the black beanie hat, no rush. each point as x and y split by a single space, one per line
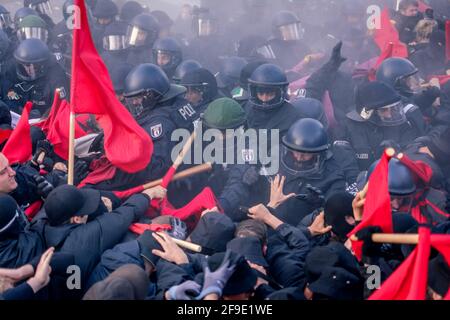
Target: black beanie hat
337 207
8 209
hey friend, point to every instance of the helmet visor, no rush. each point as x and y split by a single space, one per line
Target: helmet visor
114 43
266 96
30 71
43 7
413 83
266 52
291 32
33 32
5 21
391 115
300 163
205 27
163 58
136 36
401 203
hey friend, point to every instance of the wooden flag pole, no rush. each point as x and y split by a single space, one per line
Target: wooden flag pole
395 238
188 245
71 148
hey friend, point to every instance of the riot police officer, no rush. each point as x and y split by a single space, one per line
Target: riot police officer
229 74
105 12
267 107
378 121
311 171
168 55
6 23
147 89
240 93
129 10
22 13
115 50
402 75
286 47
43 8
6 58
37 77
142 33
201 86
183 68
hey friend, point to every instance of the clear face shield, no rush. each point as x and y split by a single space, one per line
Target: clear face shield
266 97
392 115
33 32
43 7
401 203
5 21
136 36
205 27
194 94
114 42
30 72
301 163
162 58
266 52
413 84
291 32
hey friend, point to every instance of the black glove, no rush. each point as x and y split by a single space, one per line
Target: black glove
313 196
43 146
81 170
179 229
370 248
43 187
336 59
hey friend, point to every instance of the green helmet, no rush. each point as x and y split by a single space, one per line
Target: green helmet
224 113
32 27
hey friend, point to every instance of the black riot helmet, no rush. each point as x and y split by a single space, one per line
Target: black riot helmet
5 18
145 86
202 81
32 57
204 23
143 30
401 74
310 108
286 26
267 87
22 13
185 67
105 11
400 183
167 54
304 148
65 9
230 72
115 36
41 6
129 10
380 104
5 44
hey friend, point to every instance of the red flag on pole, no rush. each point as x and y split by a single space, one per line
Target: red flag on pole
377 208
386 34
18 148
127 145
447 39
4 135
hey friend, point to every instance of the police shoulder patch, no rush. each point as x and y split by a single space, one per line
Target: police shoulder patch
156 131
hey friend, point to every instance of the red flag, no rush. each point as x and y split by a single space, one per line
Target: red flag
422 171
33 209
409 280
443 79
385 54
18 148
388 34
140 228
377 208
127 145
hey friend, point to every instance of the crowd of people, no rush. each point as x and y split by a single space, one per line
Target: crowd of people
302 68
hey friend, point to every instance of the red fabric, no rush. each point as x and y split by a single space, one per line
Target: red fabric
33 209
101 170
18 148
128 193
443 79
420 169
47 123
447 39
140 228
377 208
127 145
386 53
388 34
5 134
420 275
